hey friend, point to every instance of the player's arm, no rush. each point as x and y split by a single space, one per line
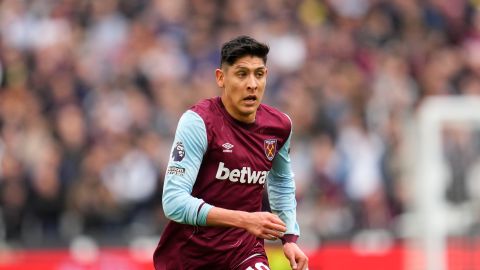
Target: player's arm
187 153
261 224
281 191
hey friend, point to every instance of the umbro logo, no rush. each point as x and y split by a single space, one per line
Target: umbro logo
227 147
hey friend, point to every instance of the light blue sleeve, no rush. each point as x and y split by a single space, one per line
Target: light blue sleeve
281 189
186 156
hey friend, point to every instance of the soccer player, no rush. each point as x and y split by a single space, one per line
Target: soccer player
226 149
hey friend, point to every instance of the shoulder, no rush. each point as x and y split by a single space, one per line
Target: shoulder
205 108
191 133
207 111
272 116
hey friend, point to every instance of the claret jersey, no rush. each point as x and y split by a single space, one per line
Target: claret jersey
219 161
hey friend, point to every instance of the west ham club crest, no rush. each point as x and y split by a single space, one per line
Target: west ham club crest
270 147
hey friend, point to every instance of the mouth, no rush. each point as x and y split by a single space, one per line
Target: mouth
250 99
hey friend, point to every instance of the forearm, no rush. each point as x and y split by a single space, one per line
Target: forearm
282 202
290 219
226 218
261 224
181 207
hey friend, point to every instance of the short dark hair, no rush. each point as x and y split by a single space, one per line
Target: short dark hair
242 46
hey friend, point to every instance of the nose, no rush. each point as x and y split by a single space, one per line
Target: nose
252 83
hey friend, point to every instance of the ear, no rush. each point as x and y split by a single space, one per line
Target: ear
219 76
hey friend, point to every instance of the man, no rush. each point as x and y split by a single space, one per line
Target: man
225 150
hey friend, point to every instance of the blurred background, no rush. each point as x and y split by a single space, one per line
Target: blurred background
91 92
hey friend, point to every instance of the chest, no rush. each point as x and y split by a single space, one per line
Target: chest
244 149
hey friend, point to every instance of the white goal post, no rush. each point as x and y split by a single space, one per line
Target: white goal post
429 221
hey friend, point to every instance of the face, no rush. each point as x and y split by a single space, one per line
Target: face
243 85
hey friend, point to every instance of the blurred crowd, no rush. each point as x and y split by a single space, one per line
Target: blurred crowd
91 92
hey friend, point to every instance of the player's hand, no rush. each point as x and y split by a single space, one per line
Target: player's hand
264 225
298 259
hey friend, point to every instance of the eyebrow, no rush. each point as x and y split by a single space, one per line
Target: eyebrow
244 67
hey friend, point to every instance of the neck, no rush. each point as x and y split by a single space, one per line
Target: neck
244 118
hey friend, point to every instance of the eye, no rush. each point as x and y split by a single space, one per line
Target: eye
241 74
259 74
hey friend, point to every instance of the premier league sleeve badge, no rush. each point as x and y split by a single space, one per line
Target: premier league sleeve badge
178 152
